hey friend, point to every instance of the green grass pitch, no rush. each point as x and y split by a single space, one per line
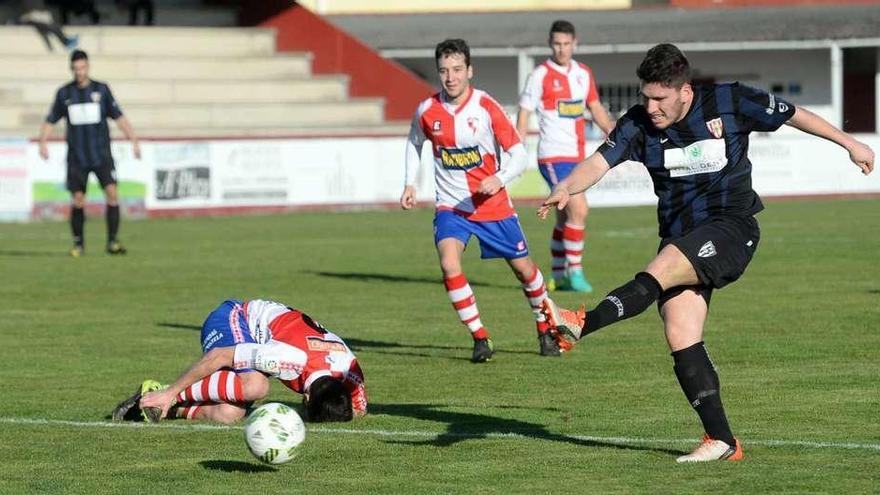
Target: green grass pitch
796 342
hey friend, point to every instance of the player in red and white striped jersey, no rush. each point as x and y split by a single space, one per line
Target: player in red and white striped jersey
244 344
560 90
467 129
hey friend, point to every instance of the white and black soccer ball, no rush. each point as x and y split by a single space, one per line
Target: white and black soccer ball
273 433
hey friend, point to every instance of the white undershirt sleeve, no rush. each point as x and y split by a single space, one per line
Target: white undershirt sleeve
517 160
413 152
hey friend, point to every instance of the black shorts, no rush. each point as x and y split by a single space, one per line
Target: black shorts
719 249
78 178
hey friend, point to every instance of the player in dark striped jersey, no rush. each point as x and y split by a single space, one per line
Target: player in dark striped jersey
86 104
694 142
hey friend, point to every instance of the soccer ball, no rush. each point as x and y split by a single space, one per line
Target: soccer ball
273 432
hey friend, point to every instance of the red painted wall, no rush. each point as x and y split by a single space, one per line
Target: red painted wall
337 52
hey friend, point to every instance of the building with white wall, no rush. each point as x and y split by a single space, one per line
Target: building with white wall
825 58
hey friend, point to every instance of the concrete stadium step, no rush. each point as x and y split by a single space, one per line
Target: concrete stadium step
312 89
115 67
360 111
152 41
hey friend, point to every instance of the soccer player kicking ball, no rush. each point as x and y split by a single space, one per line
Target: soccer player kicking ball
694 141
245 343
465 127
560 90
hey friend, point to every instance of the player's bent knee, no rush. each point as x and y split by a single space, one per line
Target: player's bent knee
254 386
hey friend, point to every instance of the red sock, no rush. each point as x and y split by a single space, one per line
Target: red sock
573 240
188 411
536 292
221 386
465 304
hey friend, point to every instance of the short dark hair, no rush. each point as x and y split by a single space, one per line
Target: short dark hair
329 400
562 26
450 47
78 55
665 64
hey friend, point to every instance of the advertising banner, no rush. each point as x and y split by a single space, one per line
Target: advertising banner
226 175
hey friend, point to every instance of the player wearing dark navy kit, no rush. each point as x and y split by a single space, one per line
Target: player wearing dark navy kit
694 142
86 104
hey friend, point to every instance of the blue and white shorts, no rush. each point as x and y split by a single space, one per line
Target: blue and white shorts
498 239
554 173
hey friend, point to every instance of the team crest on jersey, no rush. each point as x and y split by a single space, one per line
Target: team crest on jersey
570 109
472 124
319 344
716 127
460 158
436 125
96 96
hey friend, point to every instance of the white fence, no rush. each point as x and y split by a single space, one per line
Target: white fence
225 175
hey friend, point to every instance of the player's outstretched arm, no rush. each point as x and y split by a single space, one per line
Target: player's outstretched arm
125 126
860 153
45 131
601 117
587 173
408 198
213 360
522 123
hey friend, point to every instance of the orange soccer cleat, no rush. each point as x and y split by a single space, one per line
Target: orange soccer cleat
714 450
569 325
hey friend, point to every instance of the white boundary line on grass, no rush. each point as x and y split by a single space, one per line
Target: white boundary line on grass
539 435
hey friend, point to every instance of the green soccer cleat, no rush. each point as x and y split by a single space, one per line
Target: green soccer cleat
151 414
483 351
558 284
115 247
577 282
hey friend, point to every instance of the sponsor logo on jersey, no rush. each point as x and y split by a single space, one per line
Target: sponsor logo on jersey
707 250
716 127
460 158
702 157
319 344
771 106
570 109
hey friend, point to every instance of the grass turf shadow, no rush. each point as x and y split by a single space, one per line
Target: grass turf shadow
383 277
461 426
236 466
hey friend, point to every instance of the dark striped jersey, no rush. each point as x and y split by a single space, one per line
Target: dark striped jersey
86 110
700 165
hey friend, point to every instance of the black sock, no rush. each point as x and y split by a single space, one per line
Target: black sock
624 302
77 224
699 381
112 222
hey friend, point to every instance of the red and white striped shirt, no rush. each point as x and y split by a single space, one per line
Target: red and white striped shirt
318 352
560 97
465 141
